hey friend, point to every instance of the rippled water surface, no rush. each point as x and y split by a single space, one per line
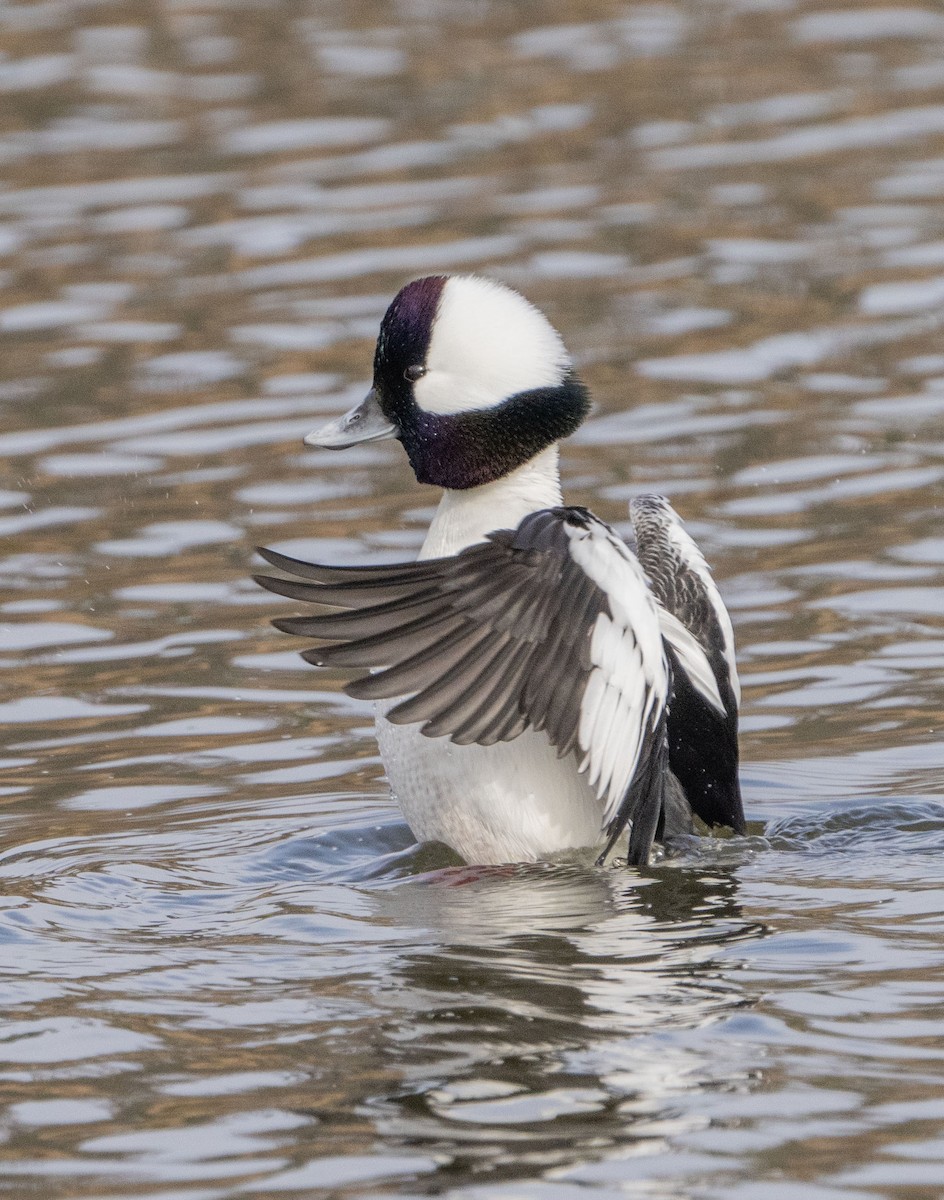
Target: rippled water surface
226 970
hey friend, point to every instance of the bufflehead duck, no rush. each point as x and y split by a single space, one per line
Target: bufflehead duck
541 684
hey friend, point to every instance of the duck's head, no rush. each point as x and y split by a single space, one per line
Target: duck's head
470 377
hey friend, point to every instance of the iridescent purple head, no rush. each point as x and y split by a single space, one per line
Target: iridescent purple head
471 378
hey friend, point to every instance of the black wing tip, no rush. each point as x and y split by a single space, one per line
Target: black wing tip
302 567
315 656
275 559
292 589
290 625
269 582
600 860
285 562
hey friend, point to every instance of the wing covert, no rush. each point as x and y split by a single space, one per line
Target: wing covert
550 626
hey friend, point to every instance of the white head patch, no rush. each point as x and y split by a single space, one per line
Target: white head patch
487 344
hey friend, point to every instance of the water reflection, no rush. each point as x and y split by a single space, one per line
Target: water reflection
546 1004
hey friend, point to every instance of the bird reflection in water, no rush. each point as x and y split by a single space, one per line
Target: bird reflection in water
552 1006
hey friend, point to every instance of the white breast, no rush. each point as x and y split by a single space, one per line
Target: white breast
513 802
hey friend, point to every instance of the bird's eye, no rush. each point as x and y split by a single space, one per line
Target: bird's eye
415 372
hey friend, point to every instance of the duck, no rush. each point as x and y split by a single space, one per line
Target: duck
542 685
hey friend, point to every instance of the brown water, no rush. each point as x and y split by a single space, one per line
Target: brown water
226 972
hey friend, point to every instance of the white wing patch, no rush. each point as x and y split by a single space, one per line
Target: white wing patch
695 560
692 658
629 682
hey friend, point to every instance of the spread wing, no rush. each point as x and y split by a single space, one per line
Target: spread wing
703 736
549 626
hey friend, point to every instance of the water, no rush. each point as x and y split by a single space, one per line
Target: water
226 969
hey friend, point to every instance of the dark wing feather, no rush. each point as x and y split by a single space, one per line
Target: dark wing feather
500 638
703 742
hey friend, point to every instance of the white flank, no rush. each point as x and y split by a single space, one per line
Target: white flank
487 344
630 676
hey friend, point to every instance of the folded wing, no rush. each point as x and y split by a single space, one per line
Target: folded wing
703 733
